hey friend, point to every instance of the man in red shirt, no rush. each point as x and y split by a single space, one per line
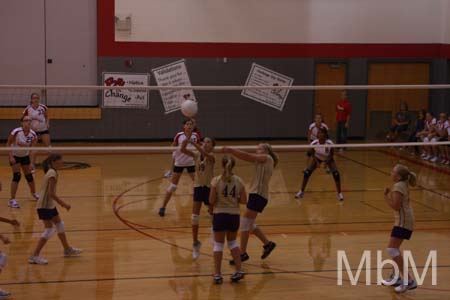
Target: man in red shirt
343 111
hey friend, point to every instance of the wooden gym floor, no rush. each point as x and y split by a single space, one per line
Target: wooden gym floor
132 253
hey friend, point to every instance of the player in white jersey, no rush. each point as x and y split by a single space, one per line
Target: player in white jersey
322 155
264 161
426 134
181 161
40 122
22 136
313 131
314 128
204 173
442 136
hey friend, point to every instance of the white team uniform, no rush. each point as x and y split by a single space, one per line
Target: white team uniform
315 130
322 153
181 159
38 120
22 140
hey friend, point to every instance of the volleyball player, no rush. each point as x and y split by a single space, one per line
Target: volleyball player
22 136
3 256
442 136
265 161
227 192
204 173
425 135
40 122
398 199
322 155
313 130
47 212
168 173
181 161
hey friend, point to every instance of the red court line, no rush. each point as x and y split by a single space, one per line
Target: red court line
263 266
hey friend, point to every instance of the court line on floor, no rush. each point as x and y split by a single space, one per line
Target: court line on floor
127 223
388 174
192 276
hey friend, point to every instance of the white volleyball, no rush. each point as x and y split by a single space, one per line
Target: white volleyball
189 108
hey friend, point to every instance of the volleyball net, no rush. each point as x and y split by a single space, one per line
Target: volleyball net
402 116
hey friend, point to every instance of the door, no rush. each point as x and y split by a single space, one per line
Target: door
325 101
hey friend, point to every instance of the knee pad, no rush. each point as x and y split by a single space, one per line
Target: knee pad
48 233
172 188
16 176
336 175
247 224
60 227
195 219
426 139
29 177
307 173
393 252
218 247
232 244
3 260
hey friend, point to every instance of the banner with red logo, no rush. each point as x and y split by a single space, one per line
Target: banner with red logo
125 98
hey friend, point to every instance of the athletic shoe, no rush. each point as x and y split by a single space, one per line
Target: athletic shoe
300 194
434 159
447 163
237 276
423 155
168 174
404 287
218 279
4 294
72 252
36 196
268 249
244 257
162 211
426 157
37 260
340 197
391 282
196 250
13 203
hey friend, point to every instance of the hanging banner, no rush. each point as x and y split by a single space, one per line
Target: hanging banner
261 76
125 98
174 74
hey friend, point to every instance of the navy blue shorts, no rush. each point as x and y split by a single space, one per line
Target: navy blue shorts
401 233
226 222
39 133
201 194
47 214
256 203
23 161
177 169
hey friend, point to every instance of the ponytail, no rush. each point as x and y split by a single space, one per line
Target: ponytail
405 174
228 164
272 154
412 179
47 163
